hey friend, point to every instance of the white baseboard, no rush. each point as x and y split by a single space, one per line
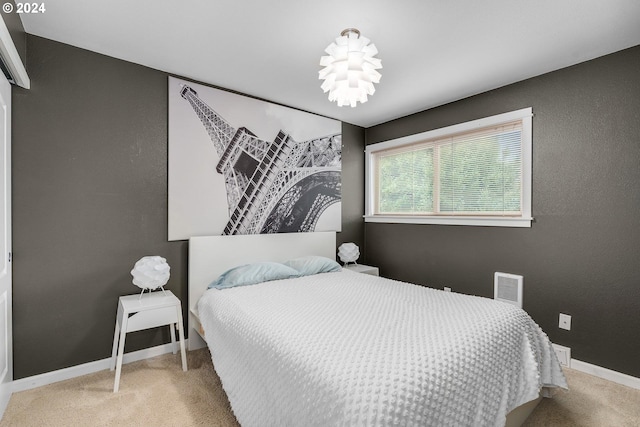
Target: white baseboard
99 365
5 395
607 374
87 368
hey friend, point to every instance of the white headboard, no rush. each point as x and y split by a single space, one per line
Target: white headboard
211 256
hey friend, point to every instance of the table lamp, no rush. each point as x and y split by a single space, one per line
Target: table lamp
150 272
348 252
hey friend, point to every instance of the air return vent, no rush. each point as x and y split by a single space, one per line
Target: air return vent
508 288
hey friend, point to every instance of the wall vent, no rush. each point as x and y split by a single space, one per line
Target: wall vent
508 288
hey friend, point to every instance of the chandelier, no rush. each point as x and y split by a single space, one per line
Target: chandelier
350 69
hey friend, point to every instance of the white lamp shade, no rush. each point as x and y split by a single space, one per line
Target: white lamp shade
348 252
150 272
350 69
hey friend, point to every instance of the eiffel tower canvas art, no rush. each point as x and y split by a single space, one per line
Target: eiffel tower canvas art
269 168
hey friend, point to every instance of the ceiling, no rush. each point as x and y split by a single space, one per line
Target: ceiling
432 51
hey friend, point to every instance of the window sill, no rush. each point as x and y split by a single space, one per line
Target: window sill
453 220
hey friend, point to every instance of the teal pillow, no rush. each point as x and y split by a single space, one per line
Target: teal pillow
250 274
313 264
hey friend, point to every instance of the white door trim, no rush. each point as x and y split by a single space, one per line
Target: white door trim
6 316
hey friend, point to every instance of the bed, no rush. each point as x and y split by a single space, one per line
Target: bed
343 348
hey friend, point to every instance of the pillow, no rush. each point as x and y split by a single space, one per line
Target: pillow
250 274
313 264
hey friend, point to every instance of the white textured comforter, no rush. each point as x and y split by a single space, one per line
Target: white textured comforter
349 349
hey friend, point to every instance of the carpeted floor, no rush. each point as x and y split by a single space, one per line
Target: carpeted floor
156 392
590 402
153 392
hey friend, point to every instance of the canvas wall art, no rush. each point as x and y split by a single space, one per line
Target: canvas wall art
238 165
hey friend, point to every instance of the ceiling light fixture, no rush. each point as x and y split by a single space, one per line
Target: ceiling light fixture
350 69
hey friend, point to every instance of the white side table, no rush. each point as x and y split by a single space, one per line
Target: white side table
136 313
365 269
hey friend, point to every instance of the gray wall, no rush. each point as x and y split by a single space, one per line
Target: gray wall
582 254
352 186
90 198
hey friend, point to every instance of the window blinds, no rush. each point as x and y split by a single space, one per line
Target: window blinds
472 173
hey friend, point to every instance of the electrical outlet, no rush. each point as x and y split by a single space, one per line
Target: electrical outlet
564 322
564 355
447 289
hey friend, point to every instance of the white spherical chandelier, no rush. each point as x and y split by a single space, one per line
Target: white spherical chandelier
350 69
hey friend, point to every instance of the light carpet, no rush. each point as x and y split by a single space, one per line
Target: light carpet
156 392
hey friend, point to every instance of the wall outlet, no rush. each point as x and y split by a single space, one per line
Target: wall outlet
447 289
564 355
564 322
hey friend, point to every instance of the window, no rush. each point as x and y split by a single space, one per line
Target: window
474 173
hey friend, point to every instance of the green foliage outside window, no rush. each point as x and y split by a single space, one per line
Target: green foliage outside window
477 175
406 182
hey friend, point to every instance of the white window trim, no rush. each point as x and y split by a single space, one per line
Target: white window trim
524 220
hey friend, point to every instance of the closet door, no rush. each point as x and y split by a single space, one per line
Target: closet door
6 355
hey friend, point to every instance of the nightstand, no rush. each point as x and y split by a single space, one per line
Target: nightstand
151 310
365 269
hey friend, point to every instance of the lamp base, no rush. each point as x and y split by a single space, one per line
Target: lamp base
150 290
